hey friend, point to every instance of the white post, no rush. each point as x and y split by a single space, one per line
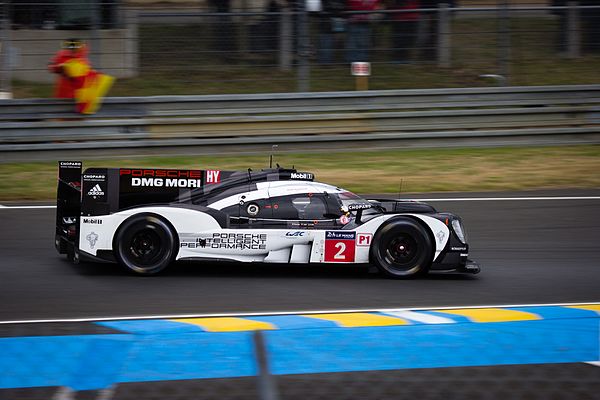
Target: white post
5 56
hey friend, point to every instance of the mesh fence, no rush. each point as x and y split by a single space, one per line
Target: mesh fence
202 47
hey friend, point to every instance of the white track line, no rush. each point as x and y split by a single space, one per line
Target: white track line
595 363
255 314
514 198
3 207
420 317
23 207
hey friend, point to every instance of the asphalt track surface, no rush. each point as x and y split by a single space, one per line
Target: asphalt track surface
531 252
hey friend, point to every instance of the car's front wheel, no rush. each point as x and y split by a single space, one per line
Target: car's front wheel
402 249
145 244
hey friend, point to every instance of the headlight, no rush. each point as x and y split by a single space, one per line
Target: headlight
458 229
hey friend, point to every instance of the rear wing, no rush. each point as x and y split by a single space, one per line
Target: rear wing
103 191
68 202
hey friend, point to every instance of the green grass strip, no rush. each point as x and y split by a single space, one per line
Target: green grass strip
491 169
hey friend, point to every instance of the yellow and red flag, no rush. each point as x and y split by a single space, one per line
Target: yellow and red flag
90 86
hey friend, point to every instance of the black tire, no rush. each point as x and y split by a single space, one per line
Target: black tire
402 249
145 244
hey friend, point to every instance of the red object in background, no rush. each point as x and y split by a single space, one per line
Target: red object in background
65 86
362 5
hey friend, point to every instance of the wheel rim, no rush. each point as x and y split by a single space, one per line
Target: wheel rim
401 253
144 248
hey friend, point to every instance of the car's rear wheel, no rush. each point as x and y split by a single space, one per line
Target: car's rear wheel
145 244
402 249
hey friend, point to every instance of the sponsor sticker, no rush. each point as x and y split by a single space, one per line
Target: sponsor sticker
92 238
94 185
229 241
294 234
340 235
92 221
358 206
70 164
96 191
458 248
339 246
213 176
441 236
305 176
364 239
165 180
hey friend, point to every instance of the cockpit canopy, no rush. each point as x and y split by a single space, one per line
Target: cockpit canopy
292 200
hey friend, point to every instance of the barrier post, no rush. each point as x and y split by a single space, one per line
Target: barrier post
267 390
131 44
96 41
5 57
573 31
285 39
503 15
443 47
303 50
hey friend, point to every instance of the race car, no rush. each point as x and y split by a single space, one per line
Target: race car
145 219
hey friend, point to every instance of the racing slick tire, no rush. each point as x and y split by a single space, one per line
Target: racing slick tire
402 249
145 244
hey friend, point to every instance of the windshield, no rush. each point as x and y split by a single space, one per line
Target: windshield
352 202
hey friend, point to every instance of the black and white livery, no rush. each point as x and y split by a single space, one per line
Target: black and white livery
145 219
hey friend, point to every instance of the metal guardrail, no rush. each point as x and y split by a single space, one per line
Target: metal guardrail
442 117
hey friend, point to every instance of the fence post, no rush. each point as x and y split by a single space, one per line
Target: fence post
5 57
443 39
131 42
573 30
503 15
303 49
285 39
267 390
96 52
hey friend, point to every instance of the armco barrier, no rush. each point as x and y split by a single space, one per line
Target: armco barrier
101 354
441 117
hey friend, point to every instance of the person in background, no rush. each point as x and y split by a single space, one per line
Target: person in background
404 28
72 50
358 39
76 78
330 23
